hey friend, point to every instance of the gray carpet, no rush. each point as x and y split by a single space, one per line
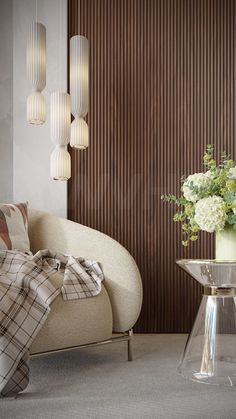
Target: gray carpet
100 383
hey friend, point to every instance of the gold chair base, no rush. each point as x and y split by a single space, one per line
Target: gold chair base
121 338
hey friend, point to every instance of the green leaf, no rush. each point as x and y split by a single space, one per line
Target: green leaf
229 197
231 218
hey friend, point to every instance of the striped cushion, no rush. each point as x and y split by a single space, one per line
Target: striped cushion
14 227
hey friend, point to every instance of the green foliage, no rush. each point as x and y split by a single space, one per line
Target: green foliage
208 159
229 197
231 219
172 198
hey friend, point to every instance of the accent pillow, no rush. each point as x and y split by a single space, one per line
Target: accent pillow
14 227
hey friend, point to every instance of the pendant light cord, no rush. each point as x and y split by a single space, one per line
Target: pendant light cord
59 46
36 10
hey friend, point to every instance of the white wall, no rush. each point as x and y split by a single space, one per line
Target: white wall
31 144
6 101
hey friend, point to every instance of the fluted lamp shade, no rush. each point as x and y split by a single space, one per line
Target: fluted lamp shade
79 75
60 127
60 110
79 134
79 90
60 164
36 108
36 72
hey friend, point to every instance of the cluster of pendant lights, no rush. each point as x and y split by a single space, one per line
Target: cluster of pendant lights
62 104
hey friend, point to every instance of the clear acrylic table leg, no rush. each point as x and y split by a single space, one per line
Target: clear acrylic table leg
210 352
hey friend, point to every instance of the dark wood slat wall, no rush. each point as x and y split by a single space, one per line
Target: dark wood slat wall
162 87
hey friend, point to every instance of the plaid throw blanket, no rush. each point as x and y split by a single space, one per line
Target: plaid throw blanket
25 296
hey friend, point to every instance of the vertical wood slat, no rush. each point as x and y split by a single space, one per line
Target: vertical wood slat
162 87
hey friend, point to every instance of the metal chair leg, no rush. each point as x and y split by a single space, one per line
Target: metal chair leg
130 353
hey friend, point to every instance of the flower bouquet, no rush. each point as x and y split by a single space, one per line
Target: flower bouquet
208 200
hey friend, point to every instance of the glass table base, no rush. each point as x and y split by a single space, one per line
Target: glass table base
210 353
219 370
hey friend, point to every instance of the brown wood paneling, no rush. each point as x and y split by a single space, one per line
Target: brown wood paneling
162 87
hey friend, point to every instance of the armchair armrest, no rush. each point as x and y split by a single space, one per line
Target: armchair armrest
122 278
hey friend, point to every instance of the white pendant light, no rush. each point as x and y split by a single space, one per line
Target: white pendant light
79 89
79 130
60 108
60 164
60 127
36 108
36 72
79 75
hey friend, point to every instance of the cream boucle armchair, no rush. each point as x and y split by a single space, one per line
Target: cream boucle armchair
107 317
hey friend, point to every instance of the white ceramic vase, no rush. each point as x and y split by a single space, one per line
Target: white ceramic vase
225 242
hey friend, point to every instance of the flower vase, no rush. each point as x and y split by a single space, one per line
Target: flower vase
225 241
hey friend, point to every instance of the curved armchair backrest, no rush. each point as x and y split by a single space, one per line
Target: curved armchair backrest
122 277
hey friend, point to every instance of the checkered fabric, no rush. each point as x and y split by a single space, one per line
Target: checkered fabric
25 296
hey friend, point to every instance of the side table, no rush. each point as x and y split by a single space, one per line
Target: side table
210 352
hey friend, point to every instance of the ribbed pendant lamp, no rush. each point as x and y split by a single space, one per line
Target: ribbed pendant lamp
79 90
36 72
60 128
60 163
79 134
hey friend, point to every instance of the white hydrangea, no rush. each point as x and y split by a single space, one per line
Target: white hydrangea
232 173
199 180
210 213
208 174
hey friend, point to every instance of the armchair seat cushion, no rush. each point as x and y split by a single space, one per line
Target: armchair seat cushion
75 322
